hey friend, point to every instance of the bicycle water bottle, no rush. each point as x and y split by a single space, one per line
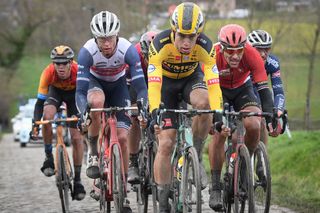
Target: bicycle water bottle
179 168
231 162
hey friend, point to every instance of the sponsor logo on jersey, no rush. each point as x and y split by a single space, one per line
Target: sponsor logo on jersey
152 51
138 66
225 72
178 58
185 57
215 69
276 74
202 40
164 39
155 79
80 66
167 122
213 81
151 68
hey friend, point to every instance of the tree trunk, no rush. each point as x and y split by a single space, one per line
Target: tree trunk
310 79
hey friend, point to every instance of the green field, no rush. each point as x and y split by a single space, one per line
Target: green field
295 170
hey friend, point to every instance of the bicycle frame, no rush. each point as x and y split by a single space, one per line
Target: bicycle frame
64 185
108 138
184 147
236 148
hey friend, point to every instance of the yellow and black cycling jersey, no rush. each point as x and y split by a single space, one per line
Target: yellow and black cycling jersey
166 60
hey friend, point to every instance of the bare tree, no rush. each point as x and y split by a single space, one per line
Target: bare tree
312 56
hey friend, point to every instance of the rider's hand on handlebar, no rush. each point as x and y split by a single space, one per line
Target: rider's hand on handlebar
143 113
83 122
34 133
274 131
154 126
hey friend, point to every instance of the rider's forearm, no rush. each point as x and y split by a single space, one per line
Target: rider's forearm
38 110
81 96
266 100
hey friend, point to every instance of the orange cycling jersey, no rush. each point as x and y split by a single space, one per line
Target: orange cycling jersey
166 60
49 77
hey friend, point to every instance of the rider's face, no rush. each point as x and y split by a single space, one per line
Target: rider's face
233 56
264 52
185 43
107 45
63 69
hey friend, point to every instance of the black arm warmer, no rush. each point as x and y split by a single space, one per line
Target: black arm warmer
38 110
266 102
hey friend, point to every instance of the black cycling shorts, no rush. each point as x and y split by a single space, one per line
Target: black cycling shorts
116 94
240 97
56 96
173 88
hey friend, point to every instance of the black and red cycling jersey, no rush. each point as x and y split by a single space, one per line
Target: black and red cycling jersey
250 64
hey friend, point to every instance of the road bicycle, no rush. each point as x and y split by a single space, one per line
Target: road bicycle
147 152
185 184
262 172
239 184
111 185
63 168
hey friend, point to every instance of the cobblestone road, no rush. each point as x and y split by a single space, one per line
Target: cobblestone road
24 189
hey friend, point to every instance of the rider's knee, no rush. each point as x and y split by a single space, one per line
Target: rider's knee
165 147
253 125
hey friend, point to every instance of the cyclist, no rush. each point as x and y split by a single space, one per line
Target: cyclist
174 68
101 82
236 61
57 85
262 41
134 133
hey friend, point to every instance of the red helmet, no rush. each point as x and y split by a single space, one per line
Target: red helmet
146 40
232 36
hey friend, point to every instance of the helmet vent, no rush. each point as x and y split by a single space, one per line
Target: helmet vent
187 13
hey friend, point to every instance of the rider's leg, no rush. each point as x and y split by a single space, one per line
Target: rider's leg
216 158
77 154
162 167
96 99
48 165
200 126
123 140
264 132
134 139
252 127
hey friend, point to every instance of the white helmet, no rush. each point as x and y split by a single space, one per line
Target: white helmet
260 39
105 24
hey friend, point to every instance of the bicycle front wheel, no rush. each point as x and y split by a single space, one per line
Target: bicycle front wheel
103 179
243 183
191 187
142 189
117 179
262 179
63 180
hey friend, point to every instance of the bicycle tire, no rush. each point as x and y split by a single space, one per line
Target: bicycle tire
118 191
102 179
262 179
142 189
63 181
243 183
152 152
176 195
191 187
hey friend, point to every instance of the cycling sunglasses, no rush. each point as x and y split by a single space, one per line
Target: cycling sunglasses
232 51
62 63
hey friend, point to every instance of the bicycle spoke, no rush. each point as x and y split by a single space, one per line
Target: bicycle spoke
117 181
191 187
262 179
